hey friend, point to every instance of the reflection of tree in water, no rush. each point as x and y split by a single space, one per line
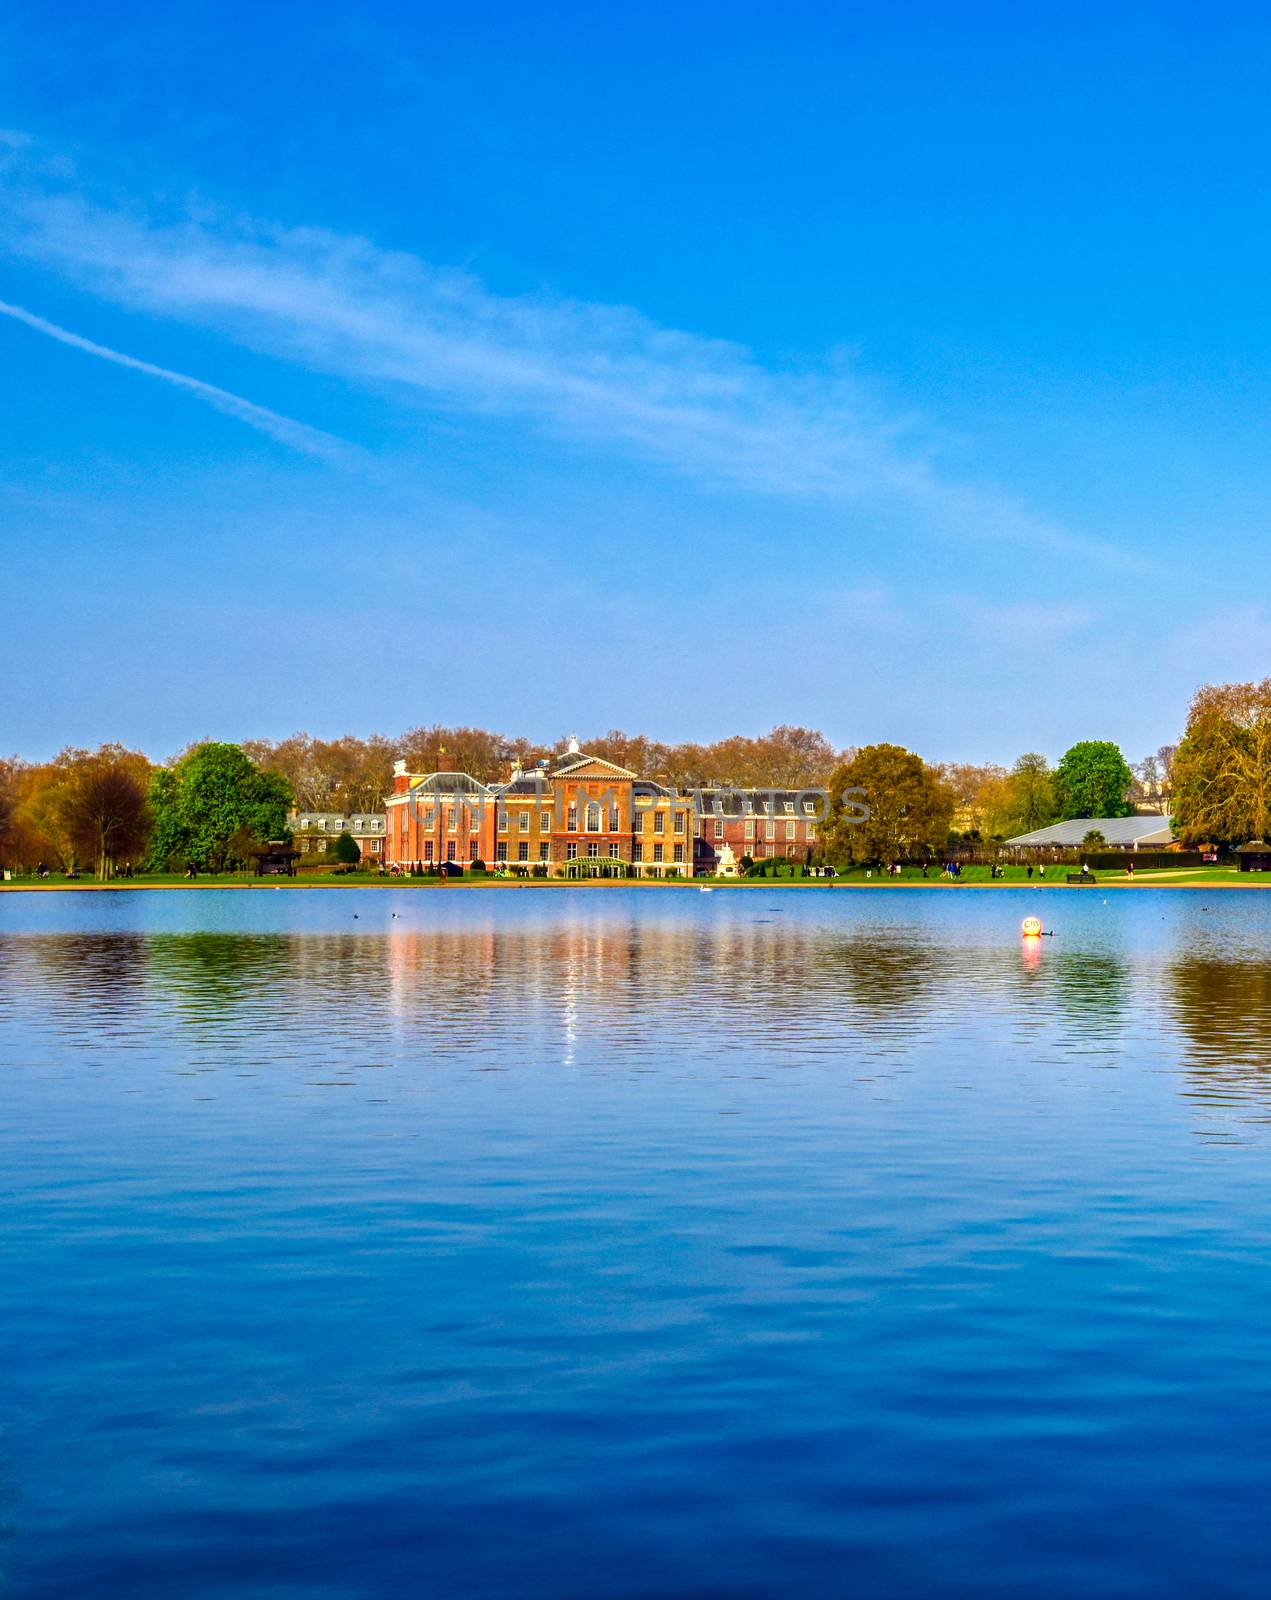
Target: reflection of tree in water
94 978
210 973
1090 991
1223 1008
876 975
316 985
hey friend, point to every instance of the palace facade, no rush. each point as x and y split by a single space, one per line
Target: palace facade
584 817
763 824
587 817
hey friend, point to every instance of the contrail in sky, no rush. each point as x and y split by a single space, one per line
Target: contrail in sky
296 434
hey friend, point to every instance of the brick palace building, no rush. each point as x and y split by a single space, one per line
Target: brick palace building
587 817
584 817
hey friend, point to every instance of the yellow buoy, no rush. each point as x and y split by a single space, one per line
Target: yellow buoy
1031 928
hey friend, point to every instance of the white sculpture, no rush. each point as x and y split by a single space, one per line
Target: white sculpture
726 863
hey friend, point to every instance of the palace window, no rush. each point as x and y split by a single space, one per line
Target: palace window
571 851
679 853
615 854
659 822
719 827
593 818
658 852
501 850
503 820
750 828
637 851
544 851
680 818
523 822
473 847
811 835
790 830
593 849
427 849
613 819
770 830
571 821
522 850
451 850
545 821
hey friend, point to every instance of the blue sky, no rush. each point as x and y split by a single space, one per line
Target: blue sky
898 370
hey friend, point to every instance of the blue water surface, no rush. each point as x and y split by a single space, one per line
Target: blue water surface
635 1242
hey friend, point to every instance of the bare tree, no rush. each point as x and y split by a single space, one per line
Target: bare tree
101 804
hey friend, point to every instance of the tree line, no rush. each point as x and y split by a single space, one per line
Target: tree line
353 774
209 807
916 809
106 809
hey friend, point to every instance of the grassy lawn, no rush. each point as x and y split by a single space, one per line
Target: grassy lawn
1199 877
1057 873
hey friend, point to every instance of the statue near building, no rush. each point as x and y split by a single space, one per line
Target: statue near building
726 863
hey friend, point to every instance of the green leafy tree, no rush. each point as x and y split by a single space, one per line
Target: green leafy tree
1094 840
201 803
346 850
885 804
1092 780
168 835
1025 800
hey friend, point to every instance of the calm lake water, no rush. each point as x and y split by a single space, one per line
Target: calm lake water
626 1242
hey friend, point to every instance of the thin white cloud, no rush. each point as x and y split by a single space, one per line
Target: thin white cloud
284 429
596 376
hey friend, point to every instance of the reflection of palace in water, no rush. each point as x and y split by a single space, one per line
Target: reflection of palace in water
626 980
522 981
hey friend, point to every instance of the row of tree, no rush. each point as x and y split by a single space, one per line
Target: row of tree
211 806
1092 779
353 774
887 804
100 810
1215 784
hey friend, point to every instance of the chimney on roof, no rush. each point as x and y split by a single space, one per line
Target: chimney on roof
401 778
